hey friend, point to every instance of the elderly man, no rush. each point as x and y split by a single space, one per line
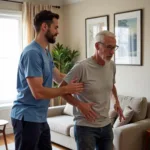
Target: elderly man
98 75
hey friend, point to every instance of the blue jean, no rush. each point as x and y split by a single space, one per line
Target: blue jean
89 138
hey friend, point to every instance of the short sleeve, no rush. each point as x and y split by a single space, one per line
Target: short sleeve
32 64
74 73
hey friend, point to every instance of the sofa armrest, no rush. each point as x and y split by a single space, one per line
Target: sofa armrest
131 136
55 111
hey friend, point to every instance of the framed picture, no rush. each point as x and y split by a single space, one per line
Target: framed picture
128 31
92 27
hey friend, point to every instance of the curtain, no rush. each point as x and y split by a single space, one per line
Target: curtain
29 11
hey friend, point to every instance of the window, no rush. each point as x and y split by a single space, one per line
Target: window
10 49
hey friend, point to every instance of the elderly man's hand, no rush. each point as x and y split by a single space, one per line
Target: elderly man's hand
119 111
87 111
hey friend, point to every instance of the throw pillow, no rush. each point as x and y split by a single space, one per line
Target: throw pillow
128 114
68 110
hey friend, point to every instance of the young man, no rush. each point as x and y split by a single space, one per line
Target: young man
98 75
34 85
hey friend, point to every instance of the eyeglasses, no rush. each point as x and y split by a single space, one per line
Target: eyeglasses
110 47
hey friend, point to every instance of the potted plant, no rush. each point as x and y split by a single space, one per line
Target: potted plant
64 58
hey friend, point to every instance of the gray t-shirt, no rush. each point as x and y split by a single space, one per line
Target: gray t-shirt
98 83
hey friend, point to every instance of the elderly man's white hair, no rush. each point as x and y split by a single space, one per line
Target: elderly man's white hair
100 36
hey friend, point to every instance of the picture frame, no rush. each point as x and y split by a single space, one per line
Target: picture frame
128 31
94 25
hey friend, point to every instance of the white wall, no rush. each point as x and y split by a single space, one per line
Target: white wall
131 80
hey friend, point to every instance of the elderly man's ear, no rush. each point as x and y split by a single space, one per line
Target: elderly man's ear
97 45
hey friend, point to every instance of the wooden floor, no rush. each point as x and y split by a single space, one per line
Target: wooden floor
10 139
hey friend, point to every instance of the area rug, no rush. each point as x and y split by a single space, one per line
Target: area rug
12 147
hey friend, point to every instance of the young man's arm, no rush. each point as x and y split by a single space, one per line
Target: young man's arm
117 104
32 69
85 108
41 92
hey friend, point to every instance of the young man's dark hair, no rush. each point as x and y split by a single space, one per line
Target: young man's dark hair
44 16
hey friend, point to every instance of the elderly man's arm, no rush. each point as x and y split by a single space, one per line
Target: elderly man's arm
117 104
114 91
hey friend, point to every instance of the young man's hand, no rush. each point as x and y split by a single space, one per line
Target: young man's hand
73 88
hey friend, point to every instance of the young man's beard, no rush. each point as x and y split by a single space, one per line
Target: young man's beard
50 38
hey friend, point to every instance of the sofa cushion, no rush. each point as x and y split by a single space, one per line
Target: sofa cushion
68 110
128 114
139 105
61 124
72 131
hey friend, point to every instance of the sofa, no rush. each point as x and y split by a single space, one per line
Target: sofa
127 136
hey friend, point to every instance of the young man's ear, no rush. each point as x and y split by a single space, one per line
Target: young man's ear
44 26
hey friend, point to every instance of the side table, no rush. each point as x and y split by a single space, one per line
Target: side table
3 124
147 139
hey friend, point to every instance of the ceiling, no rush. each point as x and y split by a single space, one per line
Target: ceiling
52 2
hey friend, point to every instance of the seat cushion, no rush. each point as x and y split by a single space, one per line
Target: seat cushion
61 124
